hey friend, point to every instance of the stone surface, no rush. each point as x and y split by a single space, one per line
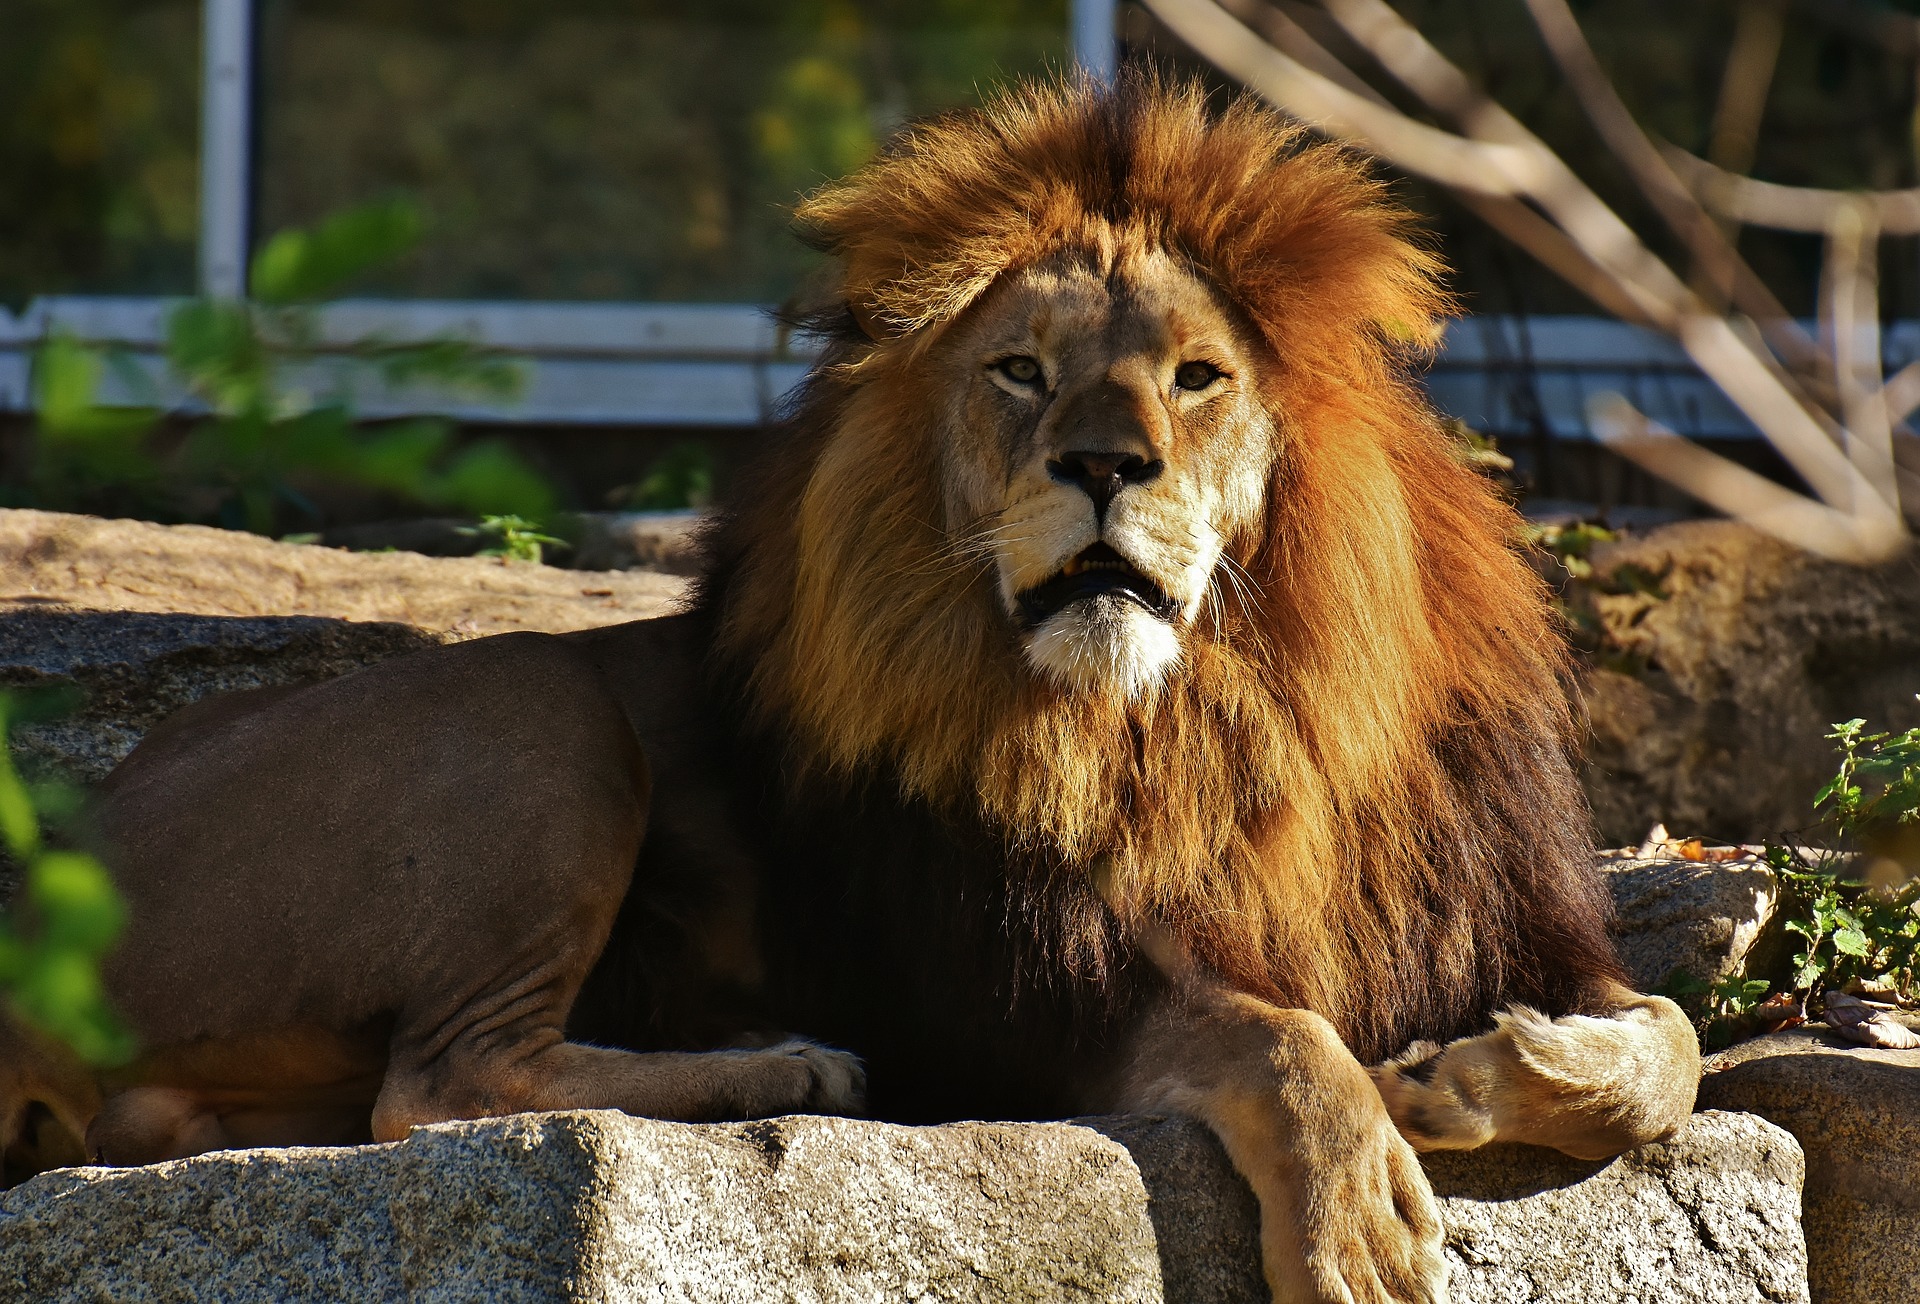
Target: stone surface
1710 919
598 1206
1756 651
128 670
51 559
143 619
662 541
1856 1113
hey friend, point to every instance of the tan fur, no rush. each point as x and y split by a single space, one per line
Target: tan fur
1590 1087
1375 599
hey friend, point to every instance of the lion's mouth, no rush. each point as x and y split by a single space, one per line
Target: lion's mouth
1098 572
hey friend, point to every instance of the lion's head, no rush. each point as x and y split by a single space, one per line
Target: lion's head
1112 516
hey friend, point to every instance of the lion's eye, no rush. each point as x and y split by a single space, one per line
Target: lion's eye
1020 369
1195 375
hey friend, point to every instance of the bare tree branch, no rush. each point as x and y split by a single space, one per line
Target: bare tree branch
1790 208
1704 239
1740 493
1500 162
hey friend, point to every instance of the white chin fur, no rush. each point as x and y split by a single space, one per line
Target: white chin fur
1104 645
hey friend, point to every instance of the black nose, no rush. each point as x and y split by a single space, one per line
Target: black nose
1101 475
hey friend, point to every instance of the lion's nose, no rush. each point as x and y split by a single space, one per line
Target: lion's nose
1101 475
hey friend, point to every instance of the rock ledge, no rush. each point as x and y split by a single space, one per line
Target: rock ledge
597 1206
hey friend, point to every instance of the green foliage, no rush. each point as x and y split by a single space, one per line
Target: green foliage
1570 544
62 923
265 443
299 266
1853 912
1877 787
679 478
518 538
1857 914
1720 1010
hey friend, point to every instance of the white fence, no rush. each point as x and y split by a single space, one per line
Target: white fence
729 365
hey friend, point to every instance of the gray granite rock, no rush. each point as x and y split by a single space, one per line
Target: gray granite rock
598 1206
1856 1113
125 671
1712 920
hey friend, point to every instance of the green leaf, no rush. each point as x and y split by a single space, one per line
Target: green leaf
1850 941
216 350
299 266
76 898
490 479
66 379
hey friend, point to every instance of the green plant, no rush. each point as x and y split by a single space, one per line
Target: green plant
519 539
265 437
63 920
1857 912
679 478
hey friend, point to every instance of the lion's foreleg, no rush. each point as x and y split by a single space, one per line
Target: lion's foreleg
1591 1086
1345 1212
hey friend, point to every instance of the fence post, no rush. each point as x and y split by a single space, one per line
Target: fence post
226 146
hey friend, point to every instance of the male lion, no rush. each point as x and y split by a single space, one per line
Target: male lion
1109 692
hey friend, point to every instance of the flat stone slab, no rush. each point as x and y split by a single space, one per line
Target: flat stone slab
598 1206
1856 1113
55 559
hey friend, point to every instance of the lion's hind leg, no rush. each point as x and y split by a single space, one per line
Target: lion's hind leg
690 1087
47 1100
1590 1086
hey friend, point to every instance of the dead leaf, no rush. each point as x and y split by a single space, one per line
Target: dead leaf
1858 1021
596 593
1780 1010
1653 844
1687 849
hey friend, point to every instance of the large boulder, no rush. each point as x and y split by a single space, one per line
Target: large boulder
599 1206
122 672
1856 1113
1714 719
1710 919
51 559
142 619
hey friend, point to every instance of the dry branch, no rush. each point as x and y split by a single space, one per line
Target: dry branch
1499 168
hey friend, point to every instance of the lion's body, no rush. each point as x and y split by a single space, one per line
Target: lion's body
1108 691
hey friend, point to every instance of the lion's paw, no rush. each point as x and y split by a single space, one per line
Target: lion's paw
838 1080
1368 1232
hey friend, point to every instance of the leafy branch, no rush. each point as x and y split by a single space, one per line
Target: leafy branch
64 920
265 440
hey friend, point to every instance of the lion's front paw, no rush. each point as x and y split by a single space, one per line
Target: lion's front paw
1363 1229
837 1080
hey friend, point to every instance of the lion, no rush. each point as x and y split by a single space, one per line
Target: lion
1109 690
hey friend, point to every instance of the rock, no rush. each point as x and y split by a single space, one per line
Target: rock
1711 919
143 619
51 559
662 541
1757 649
130 670
599 1206
1856 1113
430 536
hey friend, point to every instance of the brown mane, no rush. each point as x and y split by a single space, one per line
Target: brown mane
1355 794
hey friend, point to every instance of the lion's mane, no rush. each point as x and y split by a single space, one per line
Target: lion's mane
1355 793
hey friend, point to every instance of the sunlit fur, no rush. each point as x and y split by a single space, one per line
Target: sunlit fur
1361 754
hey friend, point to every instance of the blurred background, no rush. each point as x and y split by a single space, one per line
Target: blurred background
598 190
